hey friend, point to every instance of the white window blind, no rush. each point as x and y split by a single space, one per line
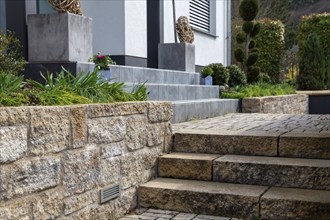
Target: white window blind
199 14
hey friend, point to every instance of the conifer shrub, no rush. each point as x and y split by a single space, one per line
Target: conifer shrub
220 74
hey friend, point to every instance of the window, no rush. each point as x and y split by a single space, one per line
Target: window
200 14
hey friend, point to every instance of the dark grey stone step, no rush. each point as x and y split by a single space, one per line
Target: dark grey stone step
204 108
273 171
202 197
137 75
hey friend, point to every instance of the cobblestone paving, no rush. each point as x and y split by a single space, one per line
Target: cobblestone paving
157 214
261 122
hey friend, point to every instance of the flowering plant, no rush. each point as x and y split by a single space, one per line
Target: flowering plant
102 61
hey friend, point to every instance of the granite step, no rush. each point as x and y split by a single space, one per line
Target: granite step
177 92
204 108
254 143
187 166
257 143
289 203
273 171
129 74
202 197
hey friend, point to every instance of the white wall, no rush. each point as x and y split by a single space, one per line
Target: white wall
108 25
209 49
136 28
119 26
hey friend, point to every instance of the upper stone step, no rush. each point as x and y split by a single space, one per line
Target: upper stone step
273 171
187 166
148 75
257 143
202 197
177 92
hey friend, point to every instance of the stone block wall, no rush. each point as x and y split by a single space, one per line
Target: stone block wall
54 160
286 104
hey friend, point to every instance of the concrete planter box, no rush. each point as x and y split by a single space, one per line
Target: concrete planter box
286 104
207 81
59 37
176 56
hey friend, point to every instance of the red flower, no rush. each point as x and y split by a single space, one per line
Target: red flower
100 56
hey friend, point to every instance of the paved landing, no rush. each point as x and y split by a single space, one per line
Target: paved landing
261 122
157 214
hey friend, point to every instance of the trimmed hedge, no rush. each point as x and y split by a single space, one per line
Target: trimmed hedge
320 25
270 42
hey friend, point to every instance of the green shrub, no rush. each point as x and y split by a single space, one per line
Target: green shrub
10 90
320 25
258 90
206 71
248 9
220 74
11 59
236 76
311 65
270 42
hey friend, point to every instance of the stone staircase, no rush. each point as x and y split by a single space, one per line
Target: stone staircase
244 174
190 99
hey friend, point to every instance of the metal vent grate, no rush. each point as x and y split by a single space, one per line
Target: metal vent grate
109 193
199 14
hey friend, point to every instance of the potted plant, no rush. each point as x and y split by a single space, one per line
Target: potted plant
102 63
206 76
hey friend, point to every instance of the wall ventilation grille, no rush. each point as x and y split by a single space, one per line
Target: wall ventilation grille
109 193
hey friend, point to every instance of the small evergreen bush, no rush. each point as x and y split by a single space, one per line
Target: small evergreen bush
311 65
220 74
11 59
206 71
236 76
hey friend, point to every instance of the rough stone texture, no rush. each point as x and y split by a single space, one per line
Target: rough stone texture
223 142
81 170
201 197
48 205
273 171
50 130
105 211
19 209
168 142
307 145
112 150
78 126
155 134
136 127
136 166
126 202
77 202
159 111
13 143
281 203
13 116
287 104
58 37
187 166
117 109
28 176
106 130
110 171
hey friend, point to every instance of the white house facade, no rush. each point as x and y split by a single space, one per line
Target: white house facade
130 30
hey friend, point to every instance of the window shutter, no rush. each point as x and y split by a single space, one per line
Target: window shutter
199 14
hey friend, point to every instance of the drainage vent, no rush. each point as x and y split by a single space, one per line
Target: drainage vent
109 193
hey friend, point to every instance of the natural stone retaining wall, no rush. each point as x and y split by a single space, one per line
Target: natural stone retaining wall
286 104
54 160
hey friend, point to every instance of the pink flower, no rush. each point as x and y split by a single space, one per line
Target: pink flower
100 56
